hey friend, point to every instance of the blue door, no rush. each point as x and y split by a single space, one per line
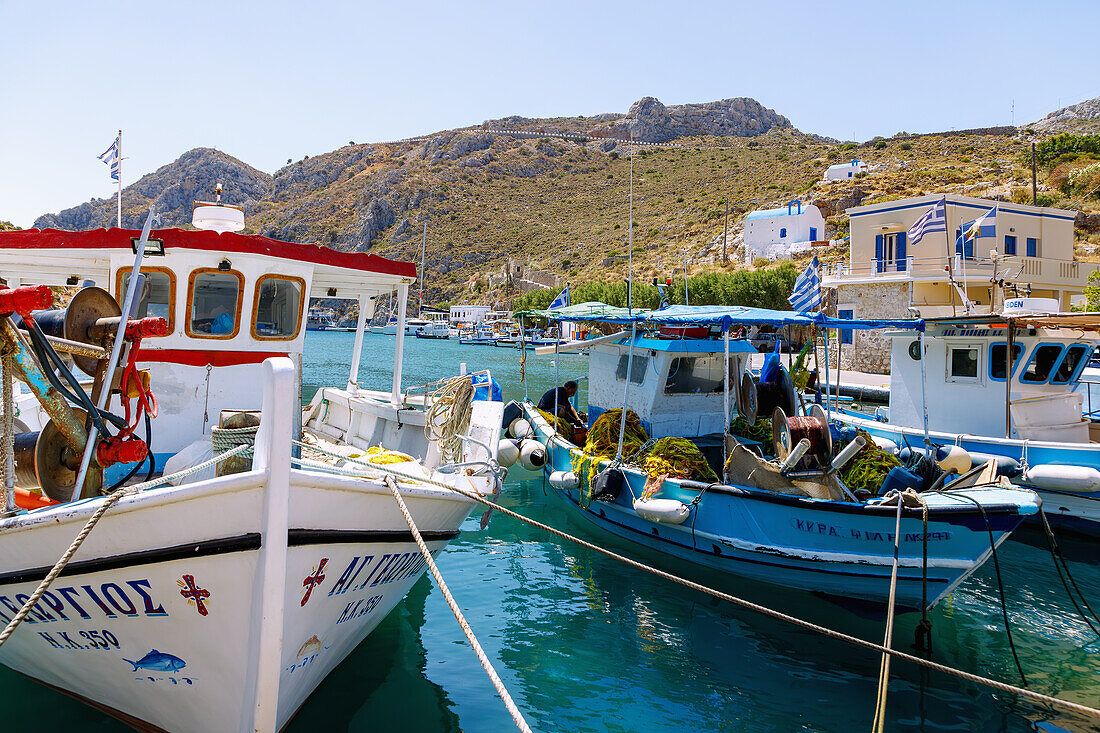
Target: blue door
878 256
845 333
1032 247
899 250
813 234
1010 244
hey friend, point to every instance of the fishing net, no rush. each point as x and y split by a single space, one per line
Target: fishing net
603 444
761 432
868 469
800 375
675 458
564 427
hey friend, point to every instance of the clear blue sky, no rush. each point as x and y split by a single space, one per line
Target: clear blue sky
275 80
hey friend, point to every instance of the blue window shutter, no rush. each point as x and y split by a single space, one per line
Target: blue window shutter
1032 247
782 233
1010 244
900 246
878 252
813 234
845 333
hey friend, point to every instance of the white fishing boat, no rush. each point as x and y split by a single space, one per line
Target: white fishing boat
218 602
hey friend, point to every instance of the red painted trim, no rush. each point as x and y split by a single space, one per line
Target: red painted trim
202 357
206 240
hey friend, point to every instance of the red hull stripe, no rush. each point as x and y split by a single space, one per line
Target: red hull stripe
190 357
99 239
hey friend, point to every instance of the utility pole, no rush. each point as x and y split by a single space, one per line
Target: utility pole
630 234
686 278
1034 187
725 231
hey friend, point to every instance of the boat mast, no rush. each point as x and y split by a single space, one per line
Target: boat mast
630 234
420 275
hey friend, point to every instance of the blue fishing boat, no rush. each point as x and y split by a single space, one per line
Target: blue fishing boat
789 521
956 391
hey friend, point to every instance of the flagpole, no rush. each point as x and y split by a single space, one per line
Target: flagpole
120 179
950 256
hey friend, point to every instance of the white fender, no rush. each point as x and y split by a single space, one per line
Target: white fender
666 511
519 428
564 480
885 444
532 455
1064 478
507 453
953 458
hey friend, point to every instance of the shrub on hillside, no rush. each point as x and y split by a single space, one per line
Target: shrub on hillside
1048 151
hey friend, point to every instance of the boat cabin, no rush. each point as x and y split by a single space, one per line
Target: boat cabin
231 301
675 381
965 363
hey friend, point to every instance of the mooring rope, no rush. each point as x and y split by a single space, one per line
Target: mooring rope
108 502
884 666
517 716
794 620
448 416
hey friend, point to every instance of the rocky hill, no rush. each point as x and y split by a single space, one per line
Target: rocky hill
550 198
173 188
1082 118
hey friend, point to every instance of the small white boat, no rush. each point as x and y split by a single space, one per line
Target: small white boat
219 603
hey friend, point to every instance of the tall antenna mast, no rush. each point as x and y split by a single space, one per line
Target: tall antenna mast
630 234
423 250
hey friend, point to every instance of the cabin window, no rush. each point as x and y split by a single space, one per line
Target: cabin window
278 308
1042 363
637 369
962 363
214 303
997 354
1072 363
157 298
696 375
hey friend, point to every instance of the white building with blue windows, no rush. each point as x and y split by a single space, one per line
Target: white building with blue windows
844 171
784 231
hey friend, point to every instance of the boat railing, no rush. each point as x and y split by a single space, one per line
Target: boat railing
425 388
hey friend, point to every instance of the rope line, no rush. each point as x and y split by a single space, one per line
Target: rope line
517 716
884 666
448 417
794 620
108 502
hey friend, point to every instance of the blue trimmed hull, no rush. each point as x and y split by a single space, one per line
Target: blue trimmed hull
838 548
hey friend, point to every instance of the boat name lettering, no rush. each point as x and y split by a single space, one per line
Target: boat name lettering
973 332
355 609
850 533
72 602
390 567
86 640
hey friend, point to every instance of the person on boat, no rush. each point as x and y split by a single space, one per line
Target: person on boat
566 411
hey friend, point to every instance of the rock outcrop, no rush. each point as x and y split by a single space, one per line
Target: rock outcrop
651 121
1083 117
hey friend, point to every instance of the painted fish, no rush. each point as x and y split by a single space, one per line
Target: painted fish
159 661
312 644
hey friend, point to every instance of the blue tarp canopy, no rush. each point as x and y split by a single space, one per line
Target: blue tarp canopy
728 315
590 311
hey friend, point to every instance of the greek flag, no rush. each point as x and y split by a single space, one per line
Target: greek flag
562 300
807 288
933 220
984 226
112 157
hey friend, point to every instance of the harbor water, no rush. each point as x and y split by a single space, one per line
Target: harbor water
587 644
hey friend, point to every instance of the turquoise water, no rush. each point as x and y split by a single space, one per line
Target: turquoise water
586 644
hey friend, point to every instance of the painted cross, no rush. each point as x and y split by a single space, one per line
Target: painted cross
314 579
193 593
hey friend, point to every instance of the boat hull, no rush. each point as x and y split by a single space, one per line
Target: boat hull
167 638
837 548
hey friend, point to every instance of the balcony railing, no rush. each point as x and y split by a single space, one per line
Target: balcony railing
1041 270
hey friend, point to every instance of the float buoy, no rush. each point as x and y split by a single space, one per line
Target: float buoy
953 459
564 480
1079 479
507 452
532 455
519 428
665 511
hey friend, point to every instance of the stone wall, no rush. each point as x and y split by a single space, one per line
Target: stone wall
869 350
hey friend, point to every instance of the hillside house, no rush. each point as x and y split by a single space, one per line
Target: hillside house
1029 247
844 171
780 232
468 315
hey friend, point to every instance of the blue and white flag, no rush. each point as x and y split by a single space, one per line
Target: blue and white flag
984 226
112 157
562 300
807 288
933 220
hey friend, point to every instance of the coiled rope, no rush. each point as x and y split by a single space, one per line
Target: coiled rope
108 502
514 711
448 416
1038 697
226 439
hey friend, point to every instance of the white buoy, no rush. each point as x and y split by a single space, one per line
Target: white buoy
1081 479
953 459
885 444
564 480
507 453
519 428
665 511
532 455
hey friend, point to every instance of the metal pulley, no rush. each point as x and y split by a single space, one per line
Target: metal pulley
44 459
90 310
